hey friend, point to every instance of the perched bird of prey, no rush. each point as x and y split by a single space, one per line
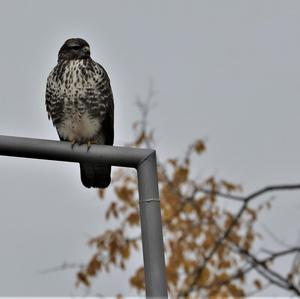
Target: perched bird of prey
79 101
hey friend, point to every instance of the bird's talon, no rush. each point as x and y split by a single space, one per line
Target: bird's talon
73 142
89 144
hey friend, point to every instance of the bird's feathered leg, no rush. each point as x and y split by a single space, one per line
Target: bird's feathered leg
73 142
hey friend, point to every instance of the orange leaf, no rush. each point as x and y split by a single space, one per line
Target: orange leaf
181 175
188 207
204 277
138 279
257 284
173 162
222 277
101 193
167 214
140 139
93 266
199 146
209 240
82 278
124 193
235 291
224 265
125 252
133 218
230 186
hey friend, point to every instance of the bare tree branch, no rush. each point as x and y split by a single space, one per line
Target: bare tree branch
227 232
274 255
63 266
221 194
274 237
261 266
285 187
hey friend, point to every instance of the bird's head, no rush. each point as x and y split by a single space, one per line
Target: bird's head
74 48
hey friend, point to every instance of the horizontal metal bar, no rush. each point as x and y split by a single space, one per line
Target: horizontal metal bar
62 151
144 160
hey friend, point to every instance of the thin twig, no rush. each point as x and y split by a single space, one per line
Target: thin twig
221 194
63 266
260 265
274 237
227 232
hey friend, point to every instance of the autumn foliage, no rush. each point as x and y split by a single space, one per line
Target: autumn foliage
208 241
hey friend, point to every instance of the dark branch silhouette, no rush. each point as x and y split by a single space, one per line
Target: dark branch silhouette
267 273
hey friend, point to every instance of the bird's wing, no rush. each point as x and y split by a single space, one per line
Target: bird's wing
94 175
54 102
106 96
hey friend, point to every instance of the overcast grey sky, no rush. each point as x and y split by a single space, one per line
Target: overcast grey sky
228 71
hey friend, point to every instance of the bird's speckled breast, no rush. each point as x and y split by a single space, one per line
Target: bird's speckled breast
77 107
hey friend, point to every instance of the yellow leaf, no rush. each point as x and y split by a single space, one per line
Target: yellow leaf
209 240
257 284
93 266
124 193
199 146
112 210
223 277
133 218
101 193
230 186
290 277
189 265
172 275
125 252
122 265
181 175
252 213
235 291
188 207
169 197
140 139
167 213
82 278
268 205
196 231
134 244
221 252
204 277
173 162
224 265
137 280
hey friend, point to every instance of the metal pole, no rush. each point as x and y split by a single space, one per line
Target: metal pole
144 160
62 151
152 238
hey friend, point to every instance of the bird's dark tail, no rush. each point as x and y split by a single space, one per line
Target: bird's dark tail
96 176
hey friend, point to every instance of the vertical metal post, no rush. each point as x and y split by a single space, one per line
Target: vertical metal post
142 159
152 238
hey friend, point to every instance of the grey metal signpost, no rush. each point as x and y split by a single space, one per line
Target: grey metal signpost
144 160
